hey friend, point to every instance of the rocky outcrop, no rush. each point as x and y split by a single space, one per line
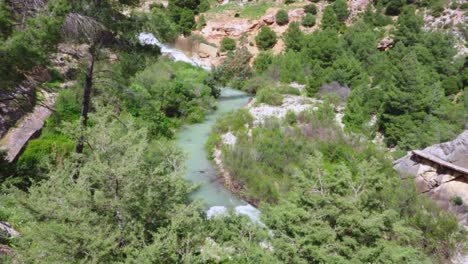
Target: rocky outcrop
454 20
15 103
14 141
437 179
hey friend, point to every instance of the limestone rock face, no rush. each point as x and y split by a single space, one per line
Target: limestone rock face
440 183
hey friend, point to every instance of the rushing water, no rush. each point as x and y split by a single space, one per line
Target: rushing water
192 139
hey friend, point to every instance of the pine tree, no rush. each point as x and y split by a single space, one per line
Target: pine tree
329 19
294 37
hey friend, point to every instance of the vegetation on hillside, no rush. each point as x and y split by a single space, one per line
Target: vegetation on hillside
326 195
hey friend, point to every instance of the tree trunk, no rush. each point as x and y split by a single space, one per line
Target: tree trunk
88 85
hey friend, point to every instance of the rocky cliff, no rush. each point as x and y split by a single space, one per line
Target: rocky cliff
448 187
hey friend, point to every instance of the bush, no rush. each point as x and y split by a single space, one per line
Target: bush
457 200
464 6
308 20
201 22
228 44
310 9
235 69
294 37
437 10
263 61
282 17
266 38
329 19
451 85
341 9
234 121
161 26
269 96
395 7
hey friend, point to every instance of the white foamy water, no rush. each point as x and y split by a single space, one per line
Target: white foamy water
177 55
192 140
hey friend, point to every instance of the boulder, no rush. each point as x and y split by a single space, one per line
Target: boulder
207 50
296 15
438 180
269 19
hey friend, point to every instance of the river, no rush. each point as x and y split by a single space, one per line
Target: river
192 138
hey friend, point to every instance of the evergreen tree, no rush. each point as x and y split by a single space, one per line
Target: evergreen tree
227 44
266 38
409 27
329 19
282 17
263 61
308 20
341 9
294 37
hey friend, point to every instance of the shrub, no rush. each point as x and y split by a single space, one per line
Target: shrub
294 37
201 22
234 121
451 85
329 19
395 7
266 38
235 69
457 200
341 9
203 6
263 61
228 44
269 96
161 25
438 9
464 6
282 17
310 9
308 20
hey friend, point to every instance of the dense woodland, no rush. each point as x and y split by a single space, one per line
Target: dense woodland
106 184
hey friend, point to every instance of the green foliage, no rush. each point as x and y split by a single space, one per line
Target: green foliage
183 13
263 61
6 25
310 9
394 7
266 38
23 50
161 25
281 17
457 200
409 26
39 152
308 20
319 187
228 44
235 121
186 21
235 68
323 46
294 37
201 22
203 6
290 67
341 9
329 19
269 96
175 89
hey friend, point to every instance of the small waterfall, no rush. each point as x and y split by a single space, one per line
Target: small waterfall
177 55
227 199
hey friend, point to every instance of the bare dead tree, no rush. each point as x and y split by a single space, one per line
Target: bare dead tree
79 28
